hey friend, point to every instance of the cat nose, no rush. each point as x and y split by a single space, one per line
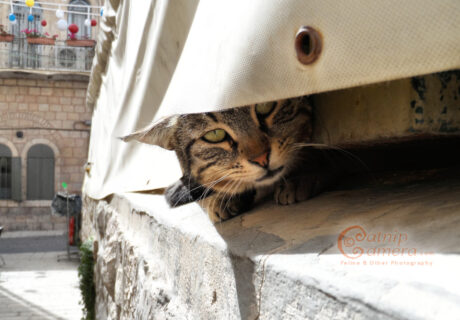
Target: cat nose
261 160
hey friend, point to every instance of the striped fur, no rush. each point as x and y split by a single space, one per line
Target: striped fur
226 177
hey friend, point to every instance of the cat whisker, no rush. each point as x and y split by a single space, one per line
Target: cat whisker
233 192
225 192
212 184
325 147
207 190
209 186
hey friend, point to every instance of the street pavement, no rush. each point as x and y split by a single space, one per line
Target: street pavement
33 283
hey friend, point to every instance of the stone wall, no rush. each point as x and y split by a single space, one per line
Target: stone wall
31 218
50 112
135 279
154 262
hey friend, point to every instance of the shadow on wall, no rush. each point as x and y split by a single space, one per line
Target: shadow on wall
372 222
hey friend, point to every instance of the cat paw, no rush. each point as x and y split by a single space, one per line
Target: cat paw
301 188
285 193
221 212
223 208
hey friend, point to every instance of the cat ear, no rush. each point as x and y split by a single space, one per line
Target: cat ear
160 134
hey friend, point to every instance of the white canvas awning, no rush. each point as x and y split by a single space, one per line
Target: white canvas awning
156 58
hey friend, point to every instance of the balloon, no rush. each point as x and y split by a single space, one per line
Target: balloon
93 23
30 17
62 24
73 28
59 13
12 17
30 3
87 22
44 23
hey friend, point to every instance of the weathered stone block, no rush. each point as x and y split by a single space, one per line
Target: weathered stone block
278 262
405 109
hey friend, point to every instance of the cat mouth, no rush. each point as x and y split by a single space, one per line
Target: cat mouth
270 174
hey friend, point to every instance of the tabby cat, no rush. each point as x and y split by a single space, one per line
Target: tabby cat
232 158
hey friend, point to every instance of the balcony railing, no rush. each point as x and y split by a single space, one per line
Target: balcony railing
60 56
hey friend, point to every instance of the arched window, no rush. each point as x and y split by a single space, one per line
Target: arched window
5 172
40 173
79 19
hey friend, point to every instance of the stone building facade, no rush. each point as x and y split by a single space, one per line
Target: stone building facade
44 121
44 132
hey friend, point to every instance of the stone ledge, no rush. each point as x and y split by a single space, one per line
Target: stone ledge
279 262
44 75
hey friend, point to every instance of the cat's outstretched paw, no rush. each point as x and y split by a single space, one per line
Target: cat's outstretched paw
301 188
285 193
221 208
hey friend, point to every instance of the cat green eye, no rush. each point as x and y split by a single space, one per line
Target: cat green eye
265 108
215 136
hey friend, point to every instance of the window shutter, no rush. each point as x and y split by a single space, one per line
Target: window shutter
40 173
16 191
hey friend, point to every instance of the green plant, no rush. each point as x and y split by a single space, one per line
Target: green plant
86 276
34 33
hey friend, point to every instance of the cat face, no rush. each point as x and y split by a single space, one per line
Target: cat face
237 149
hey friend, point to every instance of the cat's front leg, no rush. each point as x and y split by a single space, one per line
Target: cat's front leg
302 186
223 207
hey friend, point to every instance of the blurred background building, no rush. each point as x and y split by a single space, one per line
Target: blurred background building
44 121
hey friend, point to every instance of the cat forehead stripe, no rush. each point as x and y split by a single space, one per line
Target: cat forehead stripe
172 121
212 116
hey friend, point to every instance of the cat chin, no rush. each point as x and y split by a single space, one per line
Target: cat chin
270 176
268 181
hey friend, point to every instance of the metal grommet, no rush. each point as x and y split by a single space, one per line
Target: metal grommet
308 45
